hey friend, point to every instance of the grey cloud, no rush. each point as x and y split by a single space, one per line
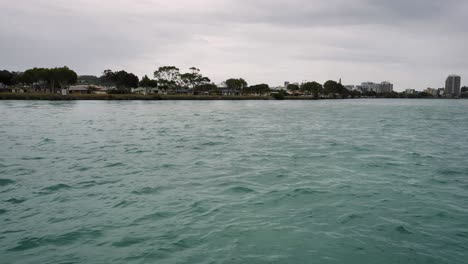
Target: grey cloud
341 12
264 41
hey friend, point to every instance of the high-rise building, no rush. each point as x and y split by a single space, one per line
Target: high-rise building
452 85
385 87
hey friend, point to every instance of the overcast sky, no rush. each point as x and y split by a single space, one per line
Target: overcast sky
412 43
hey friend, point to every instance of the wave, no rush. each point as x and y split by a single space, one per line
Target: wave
403 230
60 240
129 241
123 204
32 158
112 165
344 219
306 191
213 143
154 217
148 190
87 184
5 182
55 188
241 189
16 201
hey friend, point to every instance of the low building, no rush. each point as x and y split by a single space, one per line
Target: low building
96 89
18 89
40 87
140 90
350 87
278 88
228 91
78 89
12 89
4 89
146 90
86 89
296 92
440 92
432 91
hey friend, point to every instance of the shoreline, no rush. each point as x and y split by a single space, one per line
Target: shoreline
125 97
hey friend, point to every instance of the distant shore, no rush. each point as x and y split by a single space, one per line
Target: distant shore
159 97
156 97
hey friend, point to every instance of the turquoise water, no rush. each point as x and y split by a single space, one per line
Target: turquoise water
345 181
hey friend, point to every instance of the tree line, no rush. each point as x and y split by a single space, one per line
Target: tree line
46 78
171 79
330 87
167 78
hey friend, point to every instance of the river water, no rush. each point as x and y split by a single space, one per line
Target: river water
340 181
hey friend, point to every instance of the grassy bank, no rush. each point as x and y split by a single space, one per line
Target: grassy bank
58 97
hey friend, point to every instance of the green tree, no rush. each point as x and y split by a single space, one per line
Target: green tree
314 88
36 76
293 88
425 95
6 77
257 89
64 77
209 87
121 79
107 78
126 80
147 82
88 79
168 77
355 94
280 95
333 88
194 79
236 84
329 87
53 79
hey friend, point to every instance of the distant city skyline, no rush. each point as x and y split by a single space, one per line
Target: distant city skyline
413 44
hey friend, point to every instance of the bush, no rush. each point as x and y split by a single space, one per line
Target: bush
278 96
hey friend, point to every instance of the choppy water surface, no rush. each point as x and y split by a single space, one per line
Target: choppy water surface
354 181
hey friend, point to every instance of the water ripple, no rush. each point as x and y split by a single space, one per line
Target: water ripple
338 181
